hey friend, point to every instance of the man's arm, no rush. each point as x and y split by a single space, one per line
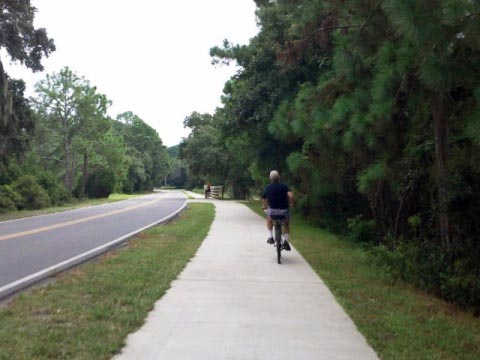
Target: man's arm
291 198
264 203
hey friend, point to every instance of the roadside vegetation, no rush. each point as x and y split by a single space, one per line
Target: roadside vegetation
399 321
87 313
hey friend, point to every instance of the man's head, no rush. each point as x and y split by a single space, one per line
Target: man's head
274 176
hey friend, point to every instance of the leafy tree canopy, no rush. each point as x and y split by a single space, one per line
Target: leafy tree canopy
19 37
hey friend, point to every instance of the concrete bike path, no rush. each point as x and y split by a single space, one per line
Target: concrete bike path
233 301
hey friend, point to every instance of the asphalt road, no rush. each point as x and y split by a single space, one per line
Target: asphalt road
37 247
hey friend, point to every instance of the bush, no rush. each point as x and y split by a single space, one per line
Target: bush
362 231
9 172
9 199
461 283
55 188
100 184
127 187
425 266
400 263
33 196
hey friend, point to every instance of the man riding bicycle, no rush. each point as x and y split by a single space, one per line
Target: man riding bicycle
276 200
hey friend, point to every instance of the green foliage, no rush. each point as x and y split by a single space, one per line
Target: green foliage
362 231
9 172
461 283
9 199
397 264
33 196
177 176
369 177
297 163
27 45
100 184
423 265
22 41
17 119
73 124
204 152
473 120
414 221
147 162
54 187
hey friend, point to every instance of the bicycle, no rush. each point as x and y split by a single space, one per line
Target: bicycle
277 225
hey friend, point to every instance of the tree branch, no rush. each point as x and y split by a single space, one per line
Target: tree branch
52 158
336 27
468 16
367 21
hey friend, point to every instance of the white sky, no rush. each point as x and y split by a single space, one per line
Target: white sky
150 57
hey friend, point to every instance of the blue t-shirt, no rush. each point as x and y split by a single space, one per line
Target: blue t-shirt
276 194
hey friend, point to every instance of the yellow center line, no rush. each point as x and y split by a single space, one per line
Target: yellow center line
73 222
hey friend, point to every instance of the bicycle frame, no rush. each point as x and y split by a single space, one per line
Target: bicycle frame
277 224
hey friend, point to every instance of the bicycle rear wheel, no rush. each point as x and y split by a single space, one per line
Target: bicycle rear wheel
278 241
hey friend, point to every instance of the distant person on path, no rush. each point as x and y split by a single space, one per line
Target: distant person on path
207 189
276 200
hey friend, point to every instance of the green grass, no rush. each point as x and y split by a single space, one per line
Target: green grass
190 197
399 321
88 312
198 191
74 204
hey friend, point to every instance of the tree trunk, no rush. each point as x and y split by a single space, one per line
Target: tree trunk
66 145
441 155
85 175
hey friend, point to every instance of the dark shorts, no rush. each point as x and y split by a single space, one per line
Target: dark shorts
275 214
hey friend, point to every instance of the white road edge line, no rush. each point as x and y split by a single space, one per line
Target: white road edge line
11 288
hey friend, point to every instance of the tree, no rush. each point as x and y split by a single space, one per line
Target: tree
18 36
93 122
147 156
177 175
16 120
203 151
251 97
73 123
27 45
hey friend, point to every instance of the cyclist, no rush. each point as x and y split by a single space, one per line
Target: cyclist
207 189
276 200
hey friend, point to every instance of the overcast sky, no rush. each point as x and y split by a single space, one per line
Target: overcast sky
150 57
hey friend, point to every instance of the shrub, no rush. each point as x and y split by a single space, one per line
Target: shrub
100 184
33 196
127 187
9 172
362 231
55 188
400 263
461 283
9 199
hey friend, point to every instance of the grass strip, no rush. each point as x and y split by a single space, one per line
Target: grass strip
399 321
189 196
88 312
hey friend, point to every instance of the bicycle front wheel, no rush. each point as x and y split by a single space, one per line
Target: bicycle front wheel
278 241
